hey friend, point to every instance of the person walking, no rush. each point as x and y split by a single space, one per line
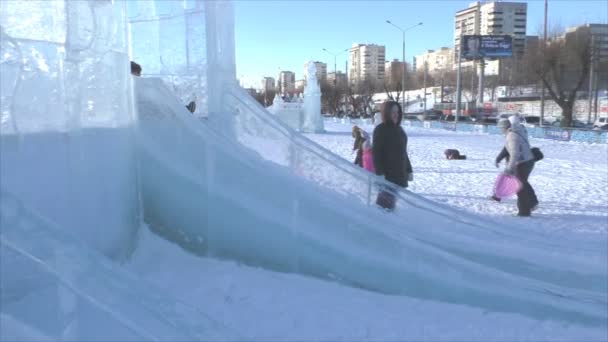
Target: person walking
390 153
520 164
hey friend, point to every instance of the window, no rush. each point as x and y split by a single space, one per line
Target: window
520 26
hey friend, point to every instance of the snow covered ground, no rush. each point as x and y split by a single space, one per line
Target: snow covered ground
571 181
262 305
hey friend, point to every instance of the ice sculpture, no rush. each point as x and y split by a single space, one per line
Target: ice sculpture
66 117
313 120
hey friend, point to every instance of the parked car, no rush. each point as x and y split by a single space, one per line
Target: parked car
535 121
452 118
600 123
430 114
410 116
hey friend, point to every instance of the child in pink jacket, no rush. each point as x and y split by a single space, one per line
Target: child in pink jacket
368 157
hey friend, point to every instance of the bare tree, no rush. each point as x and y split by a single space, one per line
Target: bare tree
566 62
391 87
332 95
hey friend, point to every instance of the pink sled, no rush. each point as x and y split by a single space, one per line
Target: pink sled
506 185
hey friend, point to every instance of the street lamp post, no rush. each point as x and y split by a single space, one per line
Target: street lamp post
335 67
403 58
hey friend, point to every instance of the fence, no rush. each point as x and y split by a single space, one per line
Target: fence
553 133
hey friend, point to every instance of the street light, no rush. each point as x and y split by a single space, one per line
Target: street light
403 51
335 68
335 56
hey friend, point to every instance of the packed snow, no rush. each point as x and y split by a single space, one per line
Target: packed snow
270 306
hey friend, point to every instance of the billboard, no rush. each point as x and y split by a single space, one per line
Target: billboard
477 47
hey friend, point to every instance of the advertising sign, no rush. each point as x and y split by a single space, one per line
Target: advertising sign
489 46
557 134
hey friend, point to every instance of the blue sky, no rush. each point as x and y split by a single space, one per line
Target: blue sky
284 34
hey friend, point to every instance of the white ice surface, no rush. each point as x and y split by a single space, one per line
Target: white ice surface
264 305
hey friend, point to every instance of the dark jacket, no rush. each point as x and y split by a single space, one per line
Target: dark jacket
502 155
390 153
358 146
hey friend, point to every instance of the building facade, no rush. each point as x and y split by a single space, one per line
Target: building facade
393 71
367 62
339 79
321 71
268 84
300 84
491 18
287 82
599 39
437 60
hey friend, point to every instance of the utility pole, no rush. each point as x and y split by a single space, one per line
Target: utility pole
424 86
442 84
542 70
335 73
591 79
482 71
458 74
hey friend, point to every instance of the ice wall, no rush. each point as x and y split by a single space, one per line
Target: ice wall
66 117
178 41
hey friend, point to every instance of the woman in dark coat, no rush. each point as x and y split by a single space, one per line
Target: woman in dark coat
390 152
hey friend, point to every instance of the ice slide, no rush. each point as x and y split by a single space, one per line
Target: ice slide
216 193
54 287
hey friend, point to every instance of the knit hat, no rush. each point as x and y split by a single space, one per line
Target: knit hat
503 124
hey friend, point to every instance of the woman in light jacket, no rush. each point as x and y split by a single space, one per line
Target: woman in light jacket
520 164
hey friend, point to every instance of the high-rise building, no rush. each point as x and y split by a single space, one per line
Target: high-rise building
268 84
287 82
436 60
393 72
367 64
492 18
300 84
599 39
321 71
